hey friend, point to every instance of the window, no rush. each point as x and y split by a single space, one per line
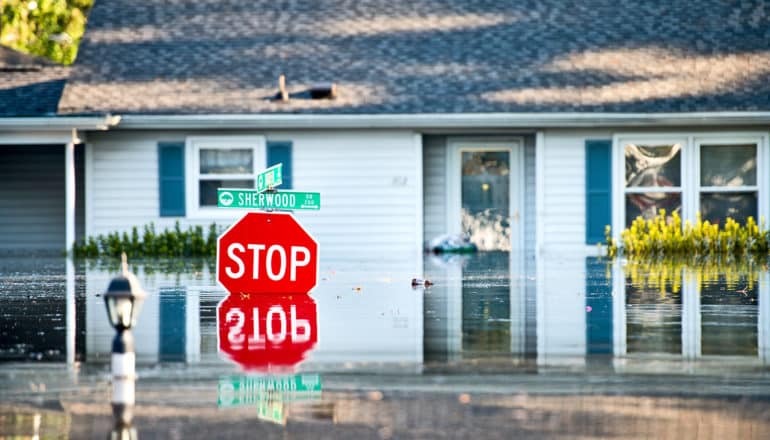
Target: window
222 162
728 182
653 180
716 175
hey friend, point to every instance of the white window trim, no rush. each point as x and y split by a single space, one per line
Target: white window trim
192 172
690 182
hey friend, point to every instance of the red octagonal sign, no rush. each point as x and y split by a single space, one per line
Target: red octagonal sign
267 252
267 332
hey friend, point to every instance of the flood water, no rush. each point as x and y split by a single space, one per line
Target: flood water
556 347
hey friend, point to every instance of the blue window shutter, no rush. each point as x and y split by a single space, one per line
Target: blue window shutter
171 184
280 152
598 189
598 307
172 335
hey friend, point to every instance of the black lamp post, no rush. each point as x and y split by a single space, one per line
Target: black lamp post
123 298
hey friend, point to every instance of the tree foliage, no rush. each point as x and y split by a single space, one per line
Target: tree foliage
48 28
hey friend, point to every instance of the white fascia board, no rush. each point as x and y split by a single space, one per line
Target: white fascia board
448 120
58 123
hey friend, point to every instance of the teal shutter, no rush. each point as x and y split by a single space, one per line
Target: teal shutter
598 307
598 189
280 152
172 337
171 184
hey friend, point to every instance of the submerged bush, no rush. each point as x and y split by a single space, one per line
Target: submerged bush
174 242
669 274
666 237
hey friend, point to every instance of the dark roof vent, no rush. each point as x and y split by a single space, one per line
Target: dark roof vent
316 92
323 91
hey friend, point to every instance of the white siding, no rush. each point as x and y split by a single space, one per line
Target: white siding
564 202
369 185
435 186
529 197
561 322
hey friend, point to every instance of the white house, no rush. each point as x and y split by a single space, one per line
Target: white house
542 123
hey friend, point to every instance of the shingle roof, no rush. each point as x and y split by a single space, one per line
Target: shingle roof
423 56
29 86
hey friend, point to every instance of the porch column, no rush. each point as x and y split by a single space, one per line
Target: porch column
763 320
69 190
71 311
619 317
691 319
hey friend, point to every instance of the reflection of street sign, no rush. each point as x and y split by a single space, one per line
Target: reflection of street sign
249 390
267 332
267 253
270 178
272 410
250 199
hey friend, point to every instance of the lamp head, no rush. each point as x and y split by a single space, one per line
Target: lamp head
124 298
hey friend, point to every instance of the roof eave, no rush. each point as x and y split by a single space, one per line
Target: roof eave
58 123
447 120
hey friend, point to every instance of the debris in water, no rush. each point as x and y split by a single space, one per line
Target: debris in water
419 282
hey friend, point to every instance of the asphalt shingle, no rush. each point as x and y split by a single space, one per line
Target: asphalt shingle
423 56
29 86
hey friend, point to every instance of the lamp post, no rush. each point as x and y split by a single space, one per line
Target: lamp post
123 298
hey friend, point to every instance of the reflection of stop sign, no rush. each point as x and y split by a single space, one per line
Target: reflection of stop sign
267 252
267 332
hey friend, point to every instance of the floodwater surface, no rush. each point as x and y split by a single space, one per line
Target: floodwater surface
497 346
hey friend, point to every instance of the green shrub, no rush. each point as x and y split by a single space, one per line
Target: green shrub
174 242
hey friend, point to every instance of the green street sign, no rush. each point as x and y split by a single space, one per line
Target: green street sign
251 199
270 178
256 390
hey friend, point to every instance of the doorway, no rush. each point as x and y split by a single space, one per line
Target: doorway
485 201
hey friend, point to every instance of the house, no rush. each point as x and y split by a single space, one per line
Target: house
530 125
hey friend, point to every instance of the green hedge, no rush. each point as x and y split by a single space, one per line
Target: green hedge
175 242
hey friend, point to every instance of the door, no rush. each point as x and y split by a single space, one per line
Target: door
485 200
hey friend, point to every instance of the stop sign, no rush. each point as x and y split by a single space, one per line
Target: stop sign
267 252
267 332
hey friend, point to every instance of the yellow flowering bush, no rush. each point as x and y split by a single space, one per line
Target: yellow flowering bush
666 236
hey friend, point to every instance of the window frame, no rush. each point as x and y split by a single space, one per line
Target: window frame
193 177
698 142
690 188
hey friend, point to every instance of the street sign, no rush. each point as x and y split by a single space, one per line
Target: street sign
267 332
236 391
267 252
270 178
251 199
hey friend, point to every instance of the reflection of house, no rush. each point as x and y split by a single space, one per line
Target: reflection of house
577 105
378 324
169 326
585 309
